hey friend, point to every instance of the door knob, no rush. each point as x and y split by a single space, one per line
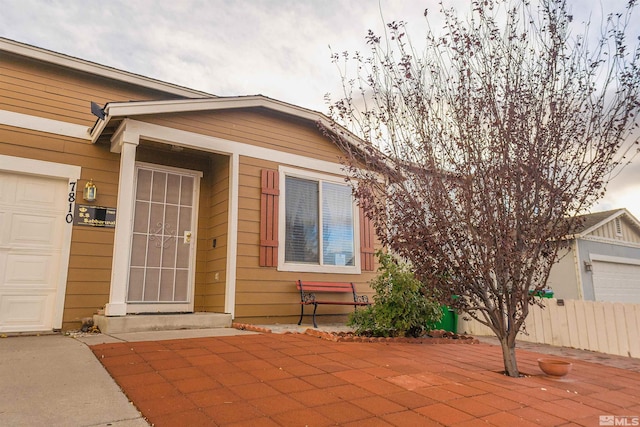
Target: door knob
187 237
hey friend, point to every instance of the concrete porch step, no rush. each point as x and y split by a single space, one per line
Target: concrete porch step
160 322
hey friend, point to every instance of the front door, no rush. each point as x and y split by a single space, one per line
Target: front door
161 272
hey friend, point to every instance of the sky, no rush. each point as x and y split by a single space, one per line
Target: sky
277 48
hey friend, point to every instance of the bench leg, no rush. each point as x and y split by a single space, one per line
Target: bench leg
301 313
315 307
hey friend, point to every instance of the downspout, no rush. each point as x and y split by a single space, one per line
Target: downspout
578 269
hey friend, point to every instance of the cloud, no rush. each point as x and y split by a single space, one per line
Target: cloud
278 48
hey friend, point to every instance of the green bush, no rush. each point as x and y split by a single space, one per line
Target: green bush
401 306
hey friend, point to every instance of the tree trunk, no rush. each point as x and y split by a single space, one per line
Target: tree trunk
509 357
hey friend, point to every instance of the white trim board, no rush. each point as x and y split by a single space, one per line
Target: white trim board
38 167
232 236
57 127
614 259
283 172
610 241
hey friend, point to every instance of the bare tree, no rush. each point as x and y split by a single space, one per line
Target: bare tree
480 151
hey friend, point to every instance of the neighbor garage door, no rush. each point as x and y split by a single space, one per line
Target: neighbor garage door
32 221
616 282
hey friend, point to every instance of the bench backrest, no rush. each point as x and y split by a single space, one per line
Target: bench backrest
325 287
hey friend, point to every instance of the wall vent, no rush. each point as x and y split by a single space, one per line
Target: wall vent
618 224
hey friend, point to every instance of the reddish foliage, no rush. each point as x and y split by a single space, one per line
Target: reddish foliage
477 155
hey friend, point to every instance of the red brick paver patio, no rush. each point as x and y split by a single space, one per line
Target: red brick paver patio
299 380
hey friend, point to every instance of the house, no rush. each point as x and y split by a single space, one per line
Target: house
158 198
603 260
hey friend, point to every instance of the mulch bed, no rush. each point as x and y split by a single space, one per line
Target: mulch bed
433 337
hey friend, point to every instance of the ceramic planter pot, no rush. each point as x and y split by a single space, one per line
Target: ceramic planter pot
554 367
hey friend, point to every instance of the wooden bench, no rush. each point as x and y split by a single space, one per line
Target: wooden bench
308 292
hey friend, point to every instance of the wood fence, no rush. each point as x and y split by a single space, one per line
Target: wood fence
606 327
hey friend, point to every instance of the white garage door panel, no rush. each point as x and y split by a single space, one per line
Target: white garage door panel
37 192
32 228
26 312
27 269
44 229
616 282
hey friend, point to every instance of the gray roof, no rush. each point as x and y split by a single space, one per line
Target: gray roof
594 220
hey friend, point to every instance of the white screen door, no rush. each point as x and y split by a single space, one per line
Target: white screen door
163 240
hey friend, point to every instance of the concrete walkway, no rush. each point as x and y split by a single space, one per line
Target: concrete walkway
55 380
232 377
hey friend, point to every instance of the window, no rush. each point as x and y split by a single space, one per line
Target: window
318 228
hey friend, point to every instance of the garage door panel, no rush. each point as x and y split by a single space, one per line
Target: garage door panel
616 282
44 230
5 229
42 193
19 312
28 269
7 188
32 232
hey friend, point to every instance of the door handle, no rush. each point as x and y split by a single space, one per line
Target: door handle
187 237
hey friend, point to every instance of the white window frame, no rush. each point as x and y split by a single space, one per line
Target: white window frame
284 172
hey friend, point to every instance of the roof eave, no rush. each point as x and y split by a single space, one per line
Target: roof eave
77 64
604 221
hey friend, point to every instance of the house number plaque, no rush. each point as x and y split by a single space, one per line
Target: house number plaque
96 216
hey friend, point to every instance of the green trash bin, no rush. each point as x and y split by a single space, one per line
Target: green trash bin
544 293
449 320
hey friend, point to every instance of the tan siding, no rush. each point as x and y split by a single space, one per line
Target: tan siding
83 288
72 316
563 278
91 249
32 87
210 297
257 127
265 292
81 261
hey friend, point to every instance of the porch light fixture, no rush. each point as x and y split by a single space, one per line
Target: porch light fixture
90 192
588 266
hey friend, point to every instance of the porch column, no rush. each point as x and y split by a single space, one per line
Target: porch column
125 142
232 235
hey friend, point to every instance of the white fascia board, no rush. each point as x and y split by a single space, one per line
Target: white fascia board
632 218
41 124
139 108
96 69
136 108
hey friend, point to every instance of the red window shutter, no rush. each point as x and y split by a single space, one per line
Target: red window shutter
269 219
367 250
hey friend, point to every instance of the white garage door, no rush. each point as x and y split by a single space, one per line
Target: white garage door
32 223
616 282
